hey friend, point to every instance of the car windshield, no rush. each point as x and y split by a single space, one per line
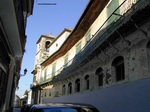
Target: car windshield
56 110
66 110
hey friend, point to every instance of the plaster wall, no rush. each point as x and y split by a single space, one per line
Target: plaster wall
126 97
58 43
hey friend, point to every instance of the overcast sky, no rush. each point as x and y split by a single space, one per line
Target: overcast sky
47 19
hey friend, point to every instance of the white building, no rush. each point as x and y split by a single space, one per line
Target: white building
16 101
13 18
29 101
103 61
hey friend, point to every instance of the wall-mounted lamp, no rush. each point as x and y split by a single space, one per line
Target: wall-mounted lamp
25 72
17 88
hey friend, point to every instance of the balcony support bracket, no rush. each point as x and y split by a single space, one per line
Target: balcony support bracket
127 41
142 31
112 46
105 54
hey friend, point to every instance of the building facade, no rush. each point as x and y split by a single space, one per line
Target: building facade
104 61
13 17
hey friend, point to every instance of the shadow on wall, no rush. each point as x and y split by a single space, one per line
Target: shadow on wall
127 97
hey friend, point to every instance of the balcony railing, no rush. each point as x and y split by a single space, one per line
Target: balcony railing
98 38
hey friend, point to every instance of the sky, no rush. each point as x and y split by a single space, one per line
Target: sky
47 19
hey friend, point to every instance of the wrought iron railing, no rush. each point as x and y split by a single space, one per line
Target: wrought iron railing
98 38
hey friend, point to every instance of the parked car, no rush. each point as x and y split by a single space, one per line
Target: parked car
63 107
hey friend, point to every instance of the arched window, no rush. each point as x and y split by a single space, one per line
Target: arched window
99 76
47 45
63 89
50 93
87 82
70 88
148 54
118 68
45 94
77 85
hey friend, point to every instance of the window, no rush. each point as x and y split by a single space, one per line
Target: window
50 93
45 73
38 47
66 61
53 69
148 54
34 78
70 88
78 47
88 36
63 90
77 85
118 68
87 82
47 45
111 8
45 94
3 86
99 76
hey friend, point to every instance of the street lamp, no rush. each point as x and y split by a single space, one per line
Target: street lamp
25 72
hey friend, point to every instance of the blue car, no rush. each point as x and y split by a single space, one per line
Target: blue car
63 107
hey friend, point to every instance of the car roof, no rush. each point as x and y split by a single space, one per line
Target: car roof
53 105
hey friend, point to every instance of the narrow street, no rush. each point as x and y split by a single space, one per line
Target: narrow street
16 110
92 53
